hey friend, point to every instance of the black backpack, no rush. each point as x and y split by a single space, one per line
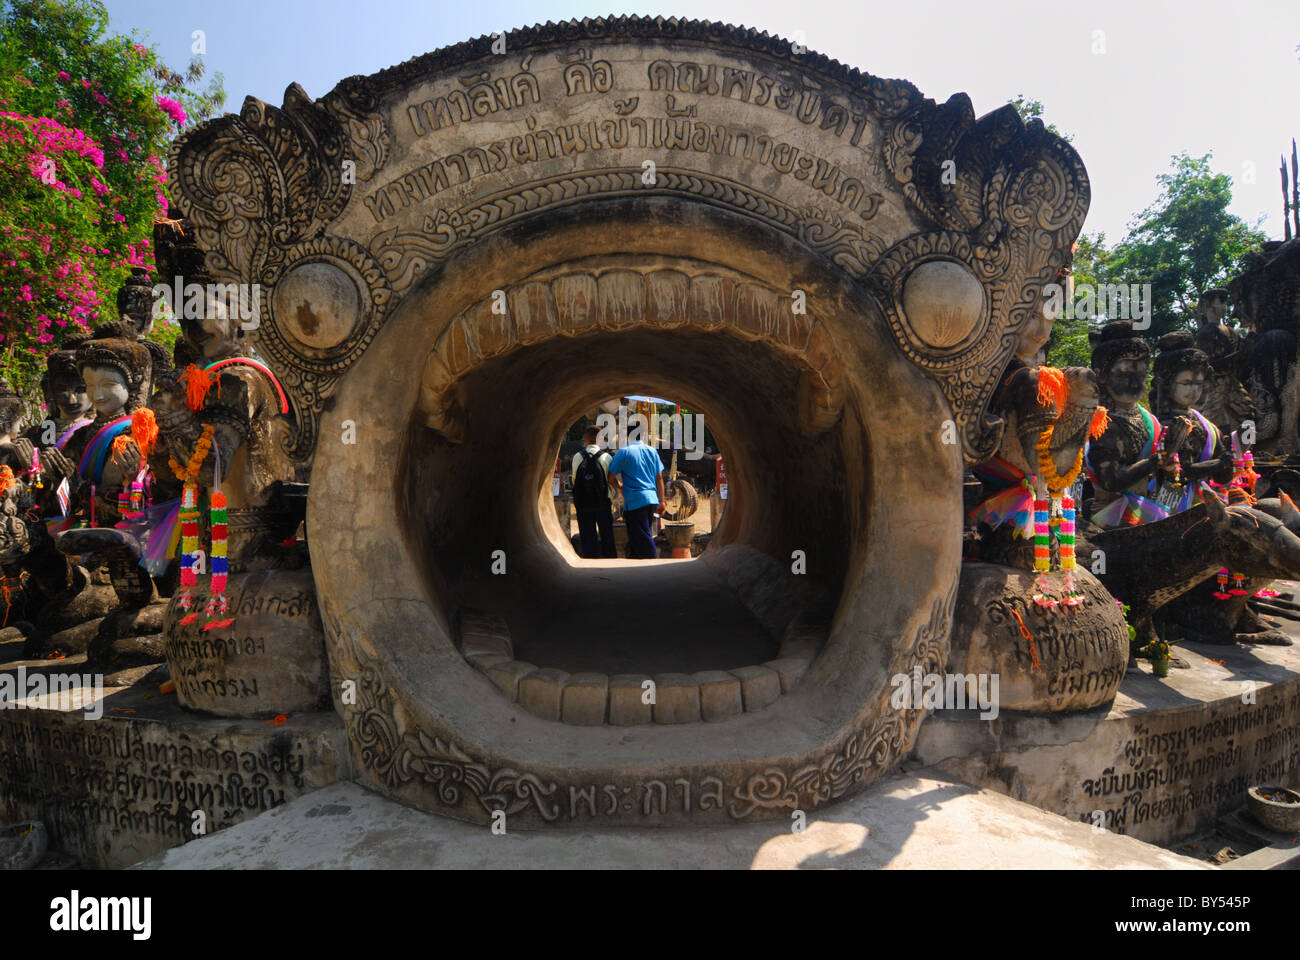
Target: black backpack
590 489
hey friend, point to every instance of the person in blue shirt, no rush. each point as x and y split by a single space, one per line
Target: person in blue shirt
643 495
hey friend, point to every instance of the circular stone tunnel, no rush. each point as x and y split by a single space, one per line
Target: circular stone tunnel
457 410
651 198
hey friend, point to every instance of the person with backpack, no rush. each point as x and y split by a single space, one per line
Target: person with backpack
643 495
591 483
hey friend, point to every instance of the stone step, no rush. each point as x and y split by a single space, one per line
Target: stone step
906 821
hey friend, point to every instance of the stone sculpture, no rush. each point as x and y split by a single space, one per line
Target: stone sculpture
1015 614
223 431
1181 370
15 451
1225 402
1124 462
1266 298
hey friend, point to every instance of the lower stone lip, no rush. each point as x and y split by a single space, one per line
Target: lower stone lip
595 698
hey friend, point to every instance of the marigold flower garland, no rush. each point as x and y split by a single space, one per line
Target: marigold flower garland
188 475
1057 509
218 603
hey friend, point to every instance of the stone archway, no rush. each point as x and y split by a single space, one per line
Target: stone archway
635 186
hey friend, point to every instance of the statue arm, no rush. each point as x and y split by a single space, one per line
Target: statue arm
230 415
1115 476
1218 468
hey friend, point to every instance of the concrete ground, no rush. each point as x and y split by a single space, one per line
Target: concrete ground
910 820
641 616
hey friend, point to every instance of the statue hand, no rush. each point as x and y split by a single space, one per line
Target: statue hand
24 448
54 459
1177 433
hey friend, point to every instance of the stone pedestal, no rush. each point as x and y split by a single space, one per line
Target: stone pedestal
271 660
679 536
1076 658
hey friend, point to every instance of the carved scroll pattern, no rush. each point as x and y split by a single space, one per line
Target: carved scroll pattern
406 254
397 757
258 191
1031 215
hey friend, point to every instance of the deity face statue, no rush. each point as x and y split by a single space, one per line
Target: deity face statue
68 397
1033 338
1186 388
107 389
1126 379
214 335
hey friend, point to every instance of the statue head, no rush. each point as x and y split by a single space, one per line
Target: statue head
62 385
1214 336
1212 307
1032 345
135 301
1121 358
11 411
116 372
213 336
1181 370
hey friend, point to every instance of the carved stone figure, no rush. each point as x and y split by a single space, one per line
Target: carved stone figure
1181 370
1147 566
15 451
1032 401
45 592
1226 402
1123 462
102 462
1266 297
117 374
66 401
244 407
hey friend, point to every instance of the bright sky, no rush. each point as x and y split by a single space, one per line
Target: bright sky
1184 75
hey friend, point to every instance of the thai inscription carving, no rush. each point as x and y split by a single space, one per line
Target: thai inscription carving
260 186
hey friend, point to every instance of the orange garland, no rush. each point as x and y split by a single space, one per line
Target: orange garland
190 472
198 381
143 433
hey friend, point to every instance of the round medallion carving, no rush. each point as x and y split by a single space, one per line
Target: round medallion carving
317 304
943 303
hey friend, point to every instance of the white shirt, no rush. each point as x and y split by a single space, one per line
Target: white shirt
603 460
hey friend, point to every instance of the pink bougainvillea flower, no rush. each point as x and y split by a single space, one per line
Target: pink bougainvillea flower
173 110
64 77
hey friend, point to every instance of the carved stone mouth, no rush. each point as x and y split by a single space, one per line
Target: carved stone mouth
583 643
688 685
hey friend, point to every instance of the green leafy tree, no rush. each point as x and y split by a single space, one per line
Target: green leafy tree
85 117
1185 243
1069 345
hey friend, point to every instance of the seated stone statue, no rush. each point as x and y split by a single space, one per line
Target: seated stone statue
67 409
1226 402
15 452
1049 414
1022 607
240 403
1180 375
1124 463
103 464
223 417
